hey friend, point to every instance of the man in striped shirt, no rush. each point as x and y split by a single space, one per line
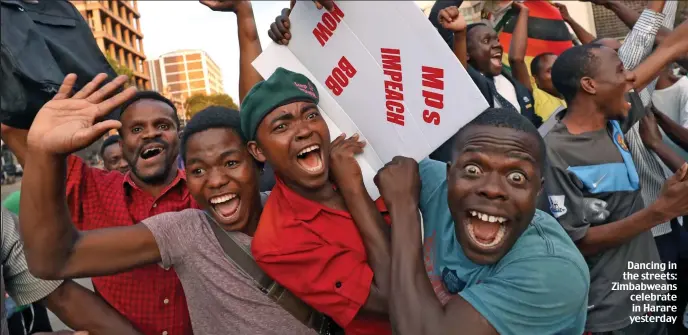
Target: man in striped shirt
75 305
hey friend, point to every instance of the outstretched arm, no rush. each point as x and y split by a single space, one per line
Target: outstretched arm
54 248
80 308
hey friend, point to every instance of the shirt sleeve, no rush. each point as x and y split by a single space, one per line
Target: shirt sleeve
536 295
20 284
638 45
565 197
330 278
175 234
683 112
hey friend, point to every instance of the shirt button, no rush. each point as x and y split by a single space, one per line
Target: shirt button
338 284
155 205
164 333
166 301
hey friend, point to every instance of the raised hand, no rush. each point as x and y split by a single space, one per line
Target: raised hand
451 19
64 332
224 5
649 131
399 181
673 199
66 124
519 5
604 3
563 11
279 30
344 168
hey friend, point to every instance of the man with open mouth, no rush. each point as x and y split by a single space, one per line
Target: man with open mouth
319 229
490 262
593 81
223 179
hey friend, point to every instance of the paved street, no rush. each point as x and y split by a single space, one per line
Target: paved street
6 190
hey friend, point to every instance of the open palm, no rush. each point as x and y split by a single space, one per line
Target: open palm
66 124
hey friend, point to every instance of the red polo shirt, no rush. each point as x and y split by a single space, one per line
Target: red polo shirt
150 297
317 253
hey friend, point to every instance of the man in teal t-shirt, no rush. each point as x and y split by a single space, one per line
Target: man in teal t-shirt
496 265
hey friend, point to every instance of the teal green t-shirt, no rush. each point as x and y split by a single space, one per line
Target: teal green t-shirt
539 287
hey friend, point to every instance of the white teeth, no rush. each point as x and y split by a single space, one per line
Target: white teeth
498 238
488 218
221 199
308 149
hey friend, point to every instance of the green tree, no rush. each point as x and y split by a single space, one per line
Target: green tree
198 102
121 69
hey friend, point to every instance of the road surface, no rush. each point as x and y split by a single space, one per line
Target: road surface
6 190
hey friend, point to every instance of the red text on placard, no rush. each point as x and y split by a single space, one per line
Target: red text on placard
394 88
327 25
340 76
433 92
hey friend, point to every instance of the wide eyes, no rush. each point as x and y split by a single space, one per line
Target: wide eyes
472 170
517 178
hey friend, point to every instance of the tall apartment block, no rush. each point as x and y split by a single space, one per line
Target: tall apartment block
184 73
116 27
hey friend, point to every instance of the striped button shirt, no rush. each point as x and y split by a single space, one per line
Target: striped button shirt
637 46
14 272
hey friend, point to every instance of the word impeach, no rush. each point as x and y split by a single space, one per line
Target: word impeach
382 71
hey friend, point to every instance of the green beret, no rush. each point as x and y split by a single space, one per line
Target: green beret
283 87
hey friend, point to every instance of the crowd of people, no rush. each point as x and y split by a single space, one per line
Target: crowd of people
532 214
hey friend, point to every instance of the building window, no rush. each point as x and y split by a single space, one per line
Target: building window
174 68
193 75
194 65
171 78
193 57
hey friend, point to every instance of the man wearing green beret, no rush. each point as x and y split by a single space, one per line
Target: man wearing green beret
320 234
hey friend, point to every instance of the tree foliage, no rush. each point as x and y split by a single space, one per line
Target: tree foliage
121 69
198 102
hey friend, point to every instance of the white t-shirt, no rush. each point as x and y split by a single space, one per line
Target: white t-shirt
506 89
673 102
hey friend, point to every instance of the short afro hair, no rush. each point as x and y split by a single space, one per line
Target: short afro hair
572 65
149 95
473 26
505 118
209 118
114 139
535 63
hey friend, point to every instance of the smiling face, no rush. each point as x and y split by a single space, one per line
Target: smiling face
223 178
493 184
609 83
295 140
484 50
150 140
113 159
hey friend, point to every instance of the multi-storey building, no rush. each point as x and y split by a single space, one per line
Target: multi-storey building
116 27
184 73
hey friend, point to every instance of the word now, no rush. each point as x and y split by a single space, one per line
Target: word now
433 89
327 25
339 79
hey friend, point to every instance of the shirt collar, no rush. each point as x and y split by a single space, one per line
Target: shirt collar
180 178
306 210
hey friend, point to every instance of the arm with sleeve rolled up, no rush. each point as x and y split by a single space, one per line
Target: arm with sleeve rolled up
640 40
567 204
673 47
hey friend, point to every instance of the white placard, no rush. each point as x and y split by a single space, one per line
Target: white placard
382 71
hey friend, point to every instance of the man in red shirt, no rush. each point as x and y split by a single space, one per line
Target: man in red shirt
150 297
322 242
